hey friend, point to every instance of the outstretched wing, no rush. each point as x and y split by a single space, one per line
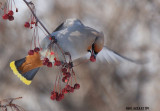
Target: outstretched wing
111 56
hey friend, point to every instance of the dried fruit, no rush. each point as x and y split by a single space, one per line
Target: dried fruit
64 79
67 74
72 89
64 91
10 18
46 59
31 52
45 62
36 49
61 96
27 24
57 63
92 58
68 88
76 86
54 95
64 70
10 13
5 16
49 64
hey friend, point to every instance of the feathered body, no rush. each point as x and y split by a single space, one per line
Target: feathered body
72 36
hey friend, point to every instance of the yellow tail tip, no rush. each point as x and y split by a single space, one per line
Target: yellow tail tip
16 72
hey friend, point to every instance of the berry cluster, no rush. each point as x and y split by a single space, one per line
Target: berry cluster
31 52
32 20
8 12
47 62
30 23
57 62
64 82
68 89
66 77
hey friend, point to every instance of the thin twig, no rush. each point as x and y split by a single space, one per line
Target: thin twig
37 20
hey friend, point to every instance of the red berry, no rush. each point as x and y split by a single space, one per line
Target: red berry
49 64
58 98
10 13
68 74
61 96
5 16
54 95
64 70
27 24
36 49
50 38
45 62
10 18
72 89
64 91
31 52
64 79
32 22
92 58
76 86
57 63
46 59
68 88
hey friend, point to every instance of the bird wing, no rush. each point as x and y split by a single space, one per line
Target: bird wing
111 56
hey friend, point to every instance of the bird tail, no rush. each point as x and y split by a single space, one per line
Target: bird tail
26 68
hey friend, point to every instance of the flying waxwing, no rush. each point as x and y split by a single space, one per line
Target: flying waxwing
72 36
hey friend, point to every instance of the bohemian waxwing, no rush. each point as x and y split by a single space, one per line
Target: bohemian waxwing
72 36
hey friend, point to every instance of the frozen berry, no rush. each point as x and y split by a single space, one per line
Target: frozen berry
68 74
49 64
61 96
27 24
76 86
36 49
72 89
64 91
64 70
54 95
31 52
10 18
68 88
92 58
5 16
10 13
57 63
58 98
32 22
46 59
45 62
64 79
